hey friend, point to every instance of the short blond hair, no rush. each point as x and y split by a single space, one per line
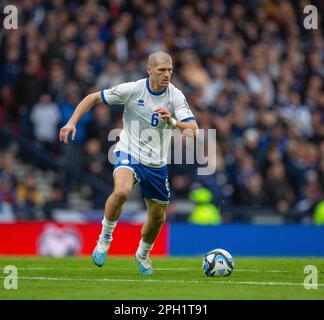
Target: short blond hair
158 55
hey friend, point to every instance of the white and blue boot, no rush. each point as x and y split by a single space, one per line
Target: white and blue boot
100 253
144 265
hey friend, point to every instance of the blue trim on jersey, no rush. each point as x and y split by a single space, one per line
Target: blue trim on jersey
103 97
151 92
188 119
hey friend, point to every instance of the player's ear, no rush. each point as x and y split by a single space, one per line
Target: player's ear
149 69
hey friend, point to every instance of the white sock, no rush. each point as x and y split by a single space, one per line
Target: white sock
144 249
107 230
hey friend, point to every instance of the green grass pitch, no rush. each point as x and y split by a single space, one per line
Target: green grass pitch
174 278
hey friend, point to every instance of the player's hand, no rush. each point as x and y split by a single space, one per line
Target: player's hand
164 113
65 131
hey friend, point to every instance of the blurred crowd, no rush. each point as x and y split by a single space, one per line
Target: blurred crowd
249 69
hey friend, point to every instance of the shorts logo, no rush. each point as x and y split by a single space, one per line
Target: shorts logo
140 102
167 186
125 161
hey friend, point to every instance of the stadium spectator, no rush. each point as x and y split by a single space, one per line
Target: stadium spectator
56 81
7 169
29 84
111 76
29 199
9 113
253 193
219 182
99 127
45 117
319 213
8 201
94 161
311 195
11 68
277 188
72 151
54 201
204 212
180 184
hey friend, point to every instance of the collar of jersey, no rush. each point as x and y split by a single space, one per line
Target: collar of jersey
150 91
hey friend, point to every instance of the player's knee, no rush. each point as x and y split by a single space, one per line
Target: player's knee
121 195
159 218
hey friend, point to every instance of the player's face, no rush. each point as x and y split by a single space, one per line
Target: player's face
161 73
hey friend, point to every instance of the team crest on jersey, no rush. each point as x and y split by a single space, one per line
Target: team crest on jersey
112 90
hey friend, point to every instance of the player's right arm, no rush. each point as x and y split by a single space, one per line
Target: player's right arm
83 107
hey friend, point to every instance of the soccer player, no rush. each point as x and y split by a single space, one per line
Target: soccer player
152 108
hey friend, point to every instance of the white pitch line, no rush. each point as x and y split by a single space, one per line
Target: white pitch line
94 268
275 271
60 268
258 283
236 270
158 269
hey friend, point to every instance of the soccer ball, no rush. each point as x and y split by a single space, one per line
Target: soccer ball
218 263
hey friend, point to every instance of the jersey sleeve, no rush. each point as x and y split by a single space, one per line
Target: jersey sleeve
118 94
181 109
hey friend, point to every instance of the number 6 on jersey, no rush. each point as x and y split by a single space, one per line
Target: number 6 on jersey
155 119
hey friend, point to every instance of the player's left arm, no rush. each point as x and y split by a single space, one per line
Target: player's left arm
188 128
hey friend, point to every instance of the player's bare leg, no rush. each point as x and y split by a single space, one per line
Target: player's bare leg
123 183
156 215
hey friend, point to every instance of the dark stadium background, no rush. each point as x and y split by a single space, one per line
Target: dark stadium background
249 69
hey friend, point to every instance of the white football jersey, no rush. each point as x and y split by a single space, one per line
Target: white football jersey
145 136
